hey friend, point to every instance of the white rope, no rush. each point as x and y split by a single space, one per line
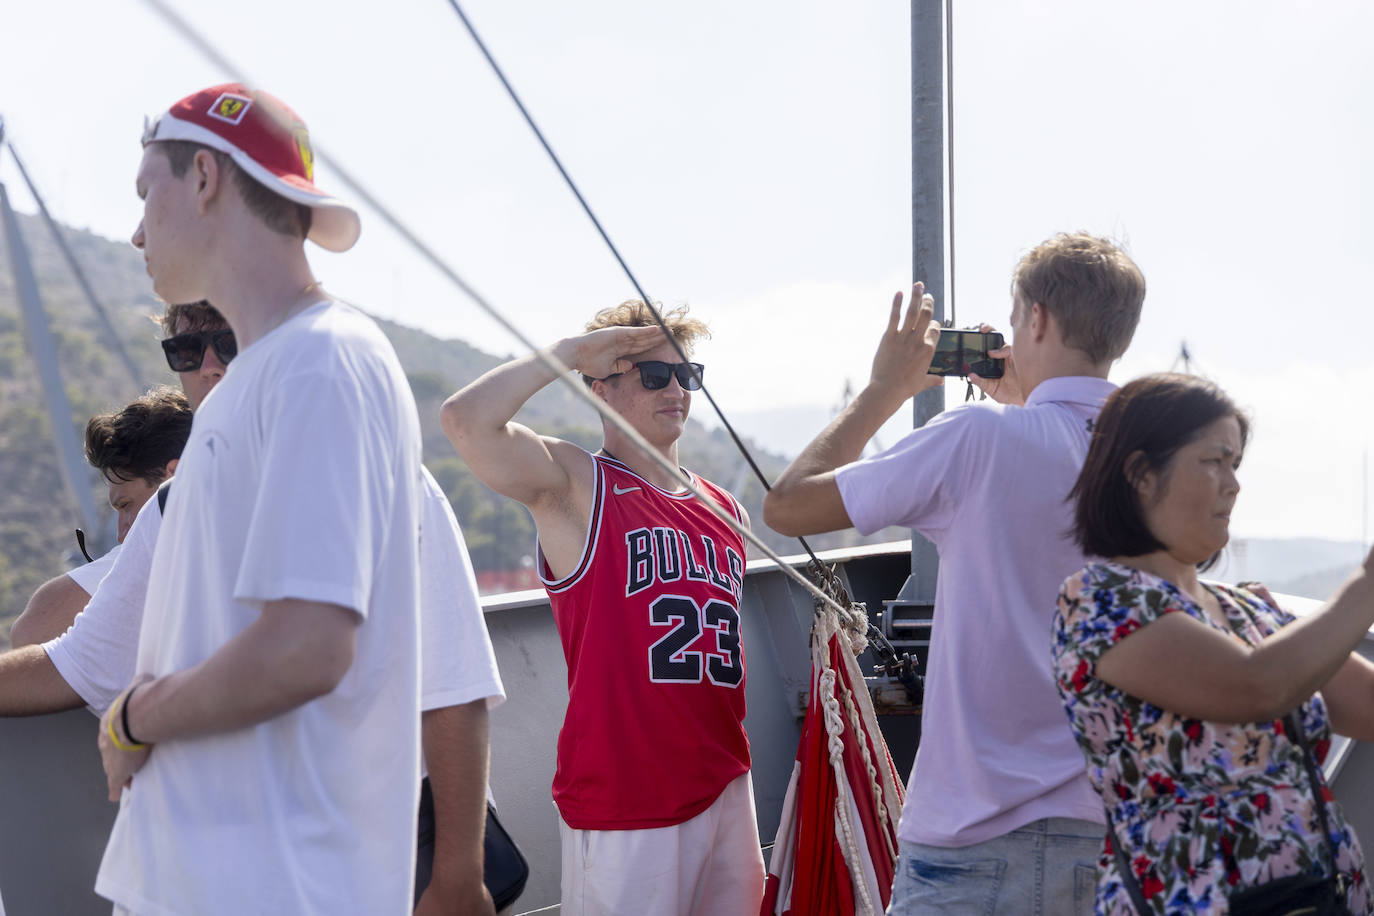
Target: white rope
834 727
861 730
548 359
893 793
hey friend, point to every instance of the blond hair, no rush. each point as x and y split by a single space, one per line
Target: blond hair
633 313
1091 287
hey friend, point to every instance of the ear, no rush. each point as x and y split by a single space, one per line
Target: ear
1040 321
171 468
208 177
599 387
1139 474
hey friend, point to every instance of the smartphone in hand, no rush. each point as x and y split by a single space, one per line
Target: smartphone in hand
966 352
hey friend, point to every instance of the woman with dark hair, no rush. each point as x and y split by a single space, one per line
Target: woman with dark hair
1180 691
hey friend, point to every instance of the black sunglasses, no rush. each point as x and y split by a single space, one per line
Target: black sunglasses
655 373
185 352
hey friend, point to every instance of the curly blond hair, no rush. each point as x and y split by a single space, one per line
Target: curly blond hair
633 313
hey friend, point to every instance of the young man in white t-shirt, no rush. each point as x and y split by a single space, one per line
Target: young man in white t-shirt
269 748
134 448
91 663
999 813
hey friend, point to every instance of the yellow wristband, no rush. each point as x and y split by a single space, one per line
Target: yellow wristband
128 748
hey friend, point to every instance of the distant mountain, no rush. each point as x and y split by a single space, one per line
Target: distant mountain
1311 567
1320 585
37 515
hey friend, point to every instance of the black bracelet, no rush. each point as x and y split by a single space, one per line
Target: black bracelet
124 715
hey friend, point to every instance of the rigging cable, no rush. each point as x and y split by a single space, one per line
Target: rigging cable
825 576
949 151
605 237
563 372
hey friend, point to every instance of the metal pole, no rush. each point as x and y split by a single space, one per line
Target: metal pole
112 335
76 474
927 229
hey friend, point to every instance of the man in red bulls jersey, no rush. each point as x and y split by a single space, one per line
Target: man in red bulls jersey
652 783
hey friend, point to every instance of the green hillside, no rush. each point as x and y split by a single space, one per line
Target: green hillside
37 515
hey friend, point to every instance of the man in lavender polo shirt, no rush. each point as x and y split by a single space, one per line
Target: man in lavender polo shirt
999 816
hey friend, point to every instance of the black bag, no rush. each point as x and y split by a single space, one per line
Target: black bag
504 871
1295 895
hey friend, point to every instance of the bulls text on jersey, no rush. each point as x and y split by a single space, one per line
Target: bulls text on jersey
669 555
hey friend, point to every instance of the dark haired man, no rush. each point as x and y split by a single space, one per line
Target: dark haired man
999 809
130 448
189 328
135 449
286 629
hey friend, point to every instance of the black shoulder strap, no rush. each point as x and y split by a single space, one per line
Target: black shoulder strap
1293 723
1123 865
162 493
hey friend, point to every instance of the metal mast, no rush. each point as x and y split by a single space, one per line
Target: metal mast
76 474
928 42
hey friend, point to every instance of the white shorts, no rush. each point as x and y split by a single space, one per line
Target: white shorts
710 865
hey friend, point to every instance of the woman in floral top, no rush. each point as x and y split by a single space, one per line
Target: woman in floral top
1176 689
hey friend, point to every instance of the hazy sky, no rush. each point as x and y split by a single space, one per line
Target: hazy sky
753 159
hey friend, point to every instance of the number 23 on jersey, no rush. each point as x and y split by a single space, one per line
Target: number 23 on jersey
673 660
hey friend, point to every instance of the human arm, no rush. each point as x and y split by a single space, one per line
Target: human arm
294 652
455 742
96 656
31 686
1349 697
508 457
1180 664
806 499
51 609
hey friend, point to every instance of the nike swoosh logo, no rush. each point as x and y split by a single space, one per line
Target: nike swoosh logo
621 491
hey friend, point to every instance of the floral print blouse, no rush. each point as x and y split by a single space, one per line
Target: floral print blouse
1202 809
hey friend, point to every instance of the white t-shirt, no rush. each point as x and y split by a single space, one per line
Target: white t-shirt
457 663
300 480
88 576
988 485
96 655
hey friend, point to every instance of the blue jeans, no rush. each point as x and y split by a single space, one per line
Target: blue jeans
1046 868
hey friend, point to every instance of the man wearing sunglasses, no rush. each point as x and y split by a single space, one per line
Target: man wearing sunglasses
652 782
198 347
189 329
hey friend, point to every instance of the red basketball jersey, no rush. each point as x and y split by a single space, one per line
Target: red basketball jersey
650 626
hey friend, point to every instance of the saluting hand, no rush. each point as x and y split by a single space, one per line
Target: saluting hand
907 347
606 351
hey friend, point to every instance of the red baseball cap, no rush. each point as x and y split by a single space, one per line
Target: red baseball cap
267 140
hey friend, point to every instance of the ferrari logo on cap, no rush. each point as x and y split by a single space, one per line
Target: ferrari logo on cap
230 107
307 155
